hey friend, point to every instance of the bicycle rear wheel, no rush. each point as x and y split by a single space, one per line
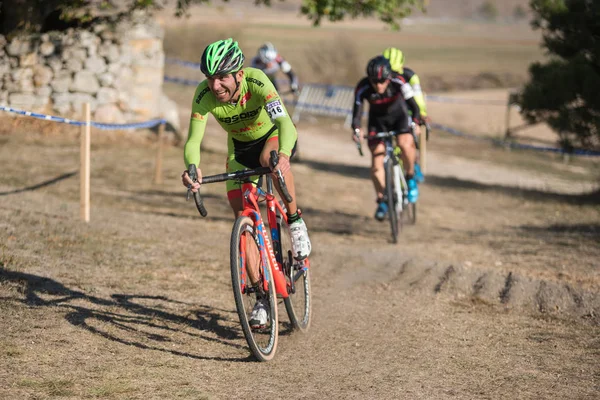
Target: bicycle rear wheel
391 201
298 304
245 239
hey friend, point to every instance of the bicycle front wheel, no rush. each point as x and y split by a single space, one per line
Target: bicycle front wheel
391 200
298 304
245 249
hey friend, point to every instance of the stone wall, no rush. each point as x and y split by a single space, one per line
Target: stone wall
118 68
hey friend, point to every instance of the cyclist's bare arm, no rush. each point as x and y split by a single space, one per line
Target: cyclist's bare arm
191 152
357 110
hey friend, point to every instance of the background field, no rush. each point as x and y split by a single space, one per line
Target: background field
446 54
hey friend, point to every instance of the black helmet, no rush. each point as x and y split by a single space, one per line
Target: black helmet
379 69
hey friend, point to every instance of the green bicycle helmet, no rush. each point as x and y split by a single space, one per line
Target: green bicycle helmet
221 57
396 58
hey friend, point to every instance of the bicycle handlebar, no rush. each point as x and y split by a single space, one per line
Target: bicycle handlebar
427 129
382 135
358 143
193 173
237 175
274 161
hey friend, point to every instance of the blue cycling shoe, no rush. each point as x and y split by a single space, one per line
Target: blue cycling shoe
418 174
382 210
413 191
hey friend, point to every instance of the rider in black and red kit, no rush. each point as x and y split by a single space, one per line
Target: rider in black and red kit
388 95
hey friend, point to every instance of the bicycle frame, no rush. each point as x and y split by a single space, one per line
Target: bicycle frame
250 197
399 179
251 210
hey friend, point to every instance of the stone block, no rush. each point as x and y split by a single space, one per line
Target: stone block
95 64
85 82
107 95
21 100
109 114
47 48
42 75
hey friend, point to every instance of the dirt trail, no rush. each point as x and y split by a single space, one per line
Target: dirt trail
493 294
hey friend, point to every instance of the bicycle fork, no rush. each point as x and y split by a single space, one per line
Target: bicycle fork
398 176
399 181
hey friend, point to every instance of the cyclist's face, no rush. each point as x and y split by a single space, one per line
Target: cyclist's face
224 87
380 86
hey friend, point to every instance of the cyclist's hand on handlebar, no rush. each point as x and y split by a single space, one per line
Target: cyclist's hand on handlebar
294 88
417 129
357 135
188 183
283 165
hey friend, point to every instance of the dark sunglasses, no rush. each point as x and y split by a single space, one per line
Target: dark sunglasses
382 80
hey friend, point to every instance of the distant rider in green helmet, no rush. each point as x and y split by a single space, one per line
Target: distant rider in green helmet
247 106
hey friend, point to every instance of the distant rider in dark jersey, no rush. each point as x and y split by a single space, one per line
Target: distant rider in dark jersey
397 61
388 95
270 62
247 106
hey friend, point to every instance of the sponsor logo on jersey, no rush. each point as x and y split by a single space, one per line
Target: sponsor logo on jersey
271 95
255 81
201 94
249 128
197 115
245 98
241 117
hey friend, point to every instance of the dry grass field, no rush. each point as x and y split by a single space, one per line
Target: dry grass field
446 54
493 294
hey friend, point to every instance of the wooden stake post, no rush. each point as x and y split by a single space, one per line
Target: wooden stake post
159 154
423 150
84 170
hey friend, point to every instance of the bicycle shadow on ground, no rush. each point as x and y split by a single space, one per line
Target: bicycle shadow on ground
353 171
592 198
41 184
342 223
171 204
141 326
568 236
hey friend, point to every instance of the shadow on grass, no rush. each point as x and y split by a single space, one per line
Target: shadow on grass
567 236
41 185
342 223
354 171
457 183
529 194
128 315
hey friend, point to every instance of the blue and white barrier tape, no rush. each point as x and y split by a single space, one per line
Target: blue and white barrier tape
190 64
137 125
456 132
188 82
445 99
336 110
193 82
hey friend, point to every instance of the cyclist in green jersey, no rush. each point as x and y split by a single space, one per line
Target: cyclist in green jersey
247 106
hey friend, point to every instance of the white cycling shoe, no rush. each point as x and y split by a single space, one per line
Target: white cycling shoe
259 316
300 241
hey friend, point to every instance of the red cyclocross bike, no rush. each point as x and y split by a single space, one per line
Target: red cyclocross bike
280 275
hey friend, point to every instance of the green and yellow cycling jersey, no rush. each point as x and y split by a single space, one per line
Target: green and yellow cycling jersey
258 112
414 81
